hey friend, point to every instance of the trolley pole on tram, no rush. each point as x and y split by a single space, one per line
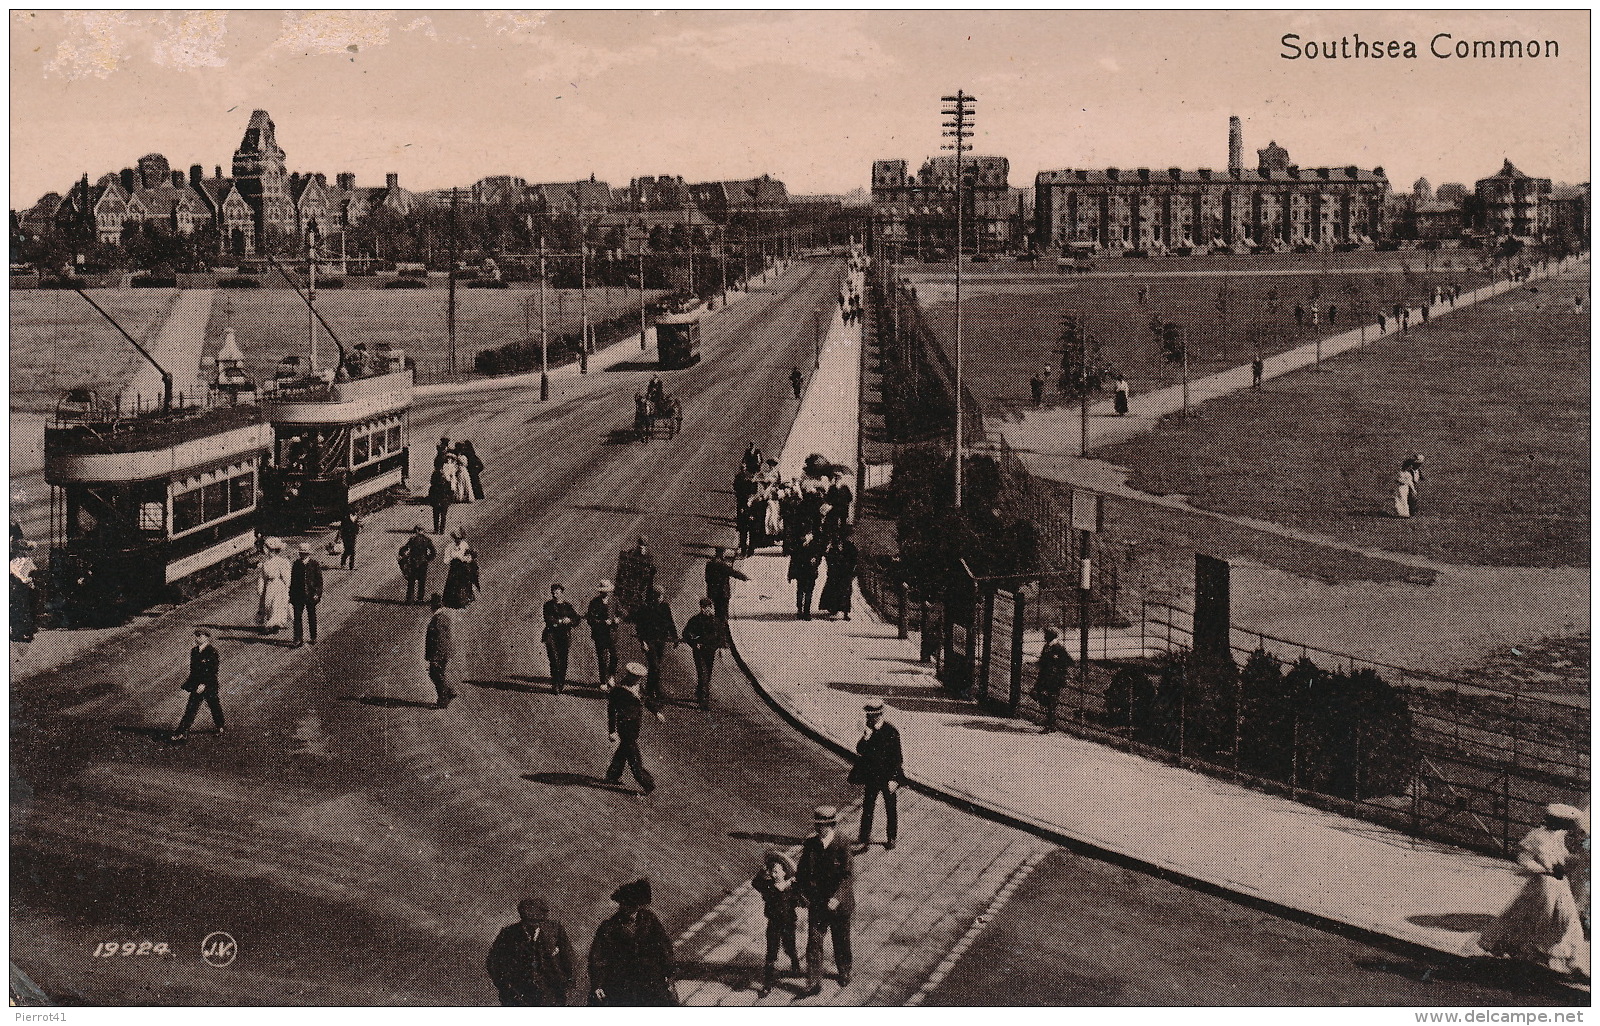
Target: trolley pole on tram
644 329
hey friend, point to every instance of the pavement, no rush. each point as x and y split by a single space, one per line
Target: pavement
1333 870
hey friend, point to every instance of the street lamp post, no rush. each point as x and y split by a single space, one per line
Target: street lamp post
959 109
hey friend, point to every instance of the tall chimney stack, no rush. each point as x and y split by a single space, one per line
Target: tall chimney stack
1235 145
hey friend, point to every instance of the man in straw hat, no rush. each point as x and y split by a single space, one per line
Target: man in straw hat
880 769
305 591
530 961
826 877
603 617
630 963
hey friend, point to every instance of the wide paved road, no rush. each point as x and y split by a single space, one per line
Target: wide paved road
362 848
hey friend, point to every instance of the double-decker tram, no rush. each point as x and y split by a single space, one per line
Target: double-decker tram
148 507
340 438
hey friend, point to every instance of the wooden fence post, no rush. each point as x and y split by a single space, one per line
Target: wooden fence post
1017 626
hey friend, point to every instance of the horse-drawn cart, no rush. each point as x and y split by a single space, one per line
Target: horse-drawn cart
656 417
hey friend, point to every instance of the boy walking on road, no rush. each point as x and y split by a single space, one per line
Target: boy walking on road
625 709
703 635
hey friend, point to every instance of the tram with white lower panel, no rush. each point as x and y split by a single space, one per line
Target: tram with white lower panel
340 441
150 507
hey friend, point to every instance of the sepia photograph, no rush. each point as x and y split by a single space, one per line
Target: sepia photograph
801 509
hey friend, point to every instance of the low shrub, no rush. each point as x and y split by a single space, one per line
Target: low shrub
405 283
240 282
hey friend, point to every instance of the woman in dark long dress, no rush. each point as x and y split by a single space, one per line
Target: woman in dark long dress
461 581
836 590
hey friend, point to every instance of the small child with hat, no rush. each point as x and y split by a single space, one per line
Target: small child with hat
780 900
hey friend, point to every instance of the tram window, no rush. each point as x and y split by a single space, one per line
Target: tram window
152 516
394 439
242 491
185 511
363 447
214 501
378 438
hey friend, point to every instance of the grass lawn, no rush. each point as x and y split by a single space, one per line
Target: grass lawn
271 323
1495 396
1011 324
58 341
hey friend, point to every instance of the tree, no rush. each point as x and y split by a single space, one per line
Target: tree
1083 369
1266 719
1174 344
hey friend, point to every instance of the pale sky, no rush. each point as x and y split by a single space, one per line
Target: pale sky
444 98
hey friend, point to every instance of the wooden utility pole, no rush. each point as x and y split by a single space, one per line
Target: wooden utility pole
959 128
450 307
544 331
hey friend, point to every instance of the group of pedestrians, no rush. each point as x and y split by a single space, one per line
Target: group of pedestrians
631 961
457 478
809 517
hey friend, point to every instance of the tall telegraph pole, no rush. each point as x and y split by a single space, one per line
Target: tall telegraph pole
958 109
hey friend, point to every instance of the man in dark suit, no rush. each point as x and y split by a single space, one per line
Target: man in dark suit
720 575
655 626
559 619
438 648
415 557
879 768
625 709
201 685
305 591
603 620
826 879
703 635
531 960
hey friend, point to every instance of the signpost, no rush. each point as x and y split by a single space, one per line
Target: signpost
1088 517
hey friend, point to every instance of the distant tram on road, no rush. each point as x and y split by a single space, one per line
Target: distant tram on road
678 340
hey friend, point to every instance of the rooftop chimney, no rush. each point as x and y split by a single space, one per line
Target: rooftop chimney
391 180
346 180
1235 145
177 179
197 175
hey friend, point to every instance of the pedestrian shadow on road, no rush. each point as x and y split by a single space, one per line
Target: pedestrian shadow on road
577 780
376 600
634 365
258 639
619 510
386 702
537 686
153 733
998 726
733 975
780 840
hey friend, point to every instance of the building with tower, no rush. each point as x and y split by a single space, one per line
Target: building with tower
1277 205
262 178
919 211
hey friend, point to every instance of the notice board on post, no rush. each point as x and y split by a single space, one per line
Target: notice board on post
1212 618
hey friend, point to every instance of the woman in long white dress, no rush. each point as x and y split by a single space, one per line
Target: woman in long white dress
272 614
1404 485
460 481
1541 925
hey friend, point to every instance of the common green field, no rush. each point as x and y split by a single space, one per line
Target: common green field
270 323
1496 397
58 341
1012 323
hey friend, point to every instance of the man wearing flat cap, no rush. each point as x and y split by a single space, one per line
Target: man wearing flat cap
530 961
880 769
630 963
826 878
